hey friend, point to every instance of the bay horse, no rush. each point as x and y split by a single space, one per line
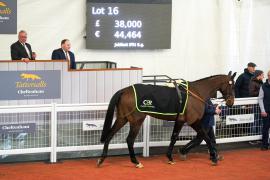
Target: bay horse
199 91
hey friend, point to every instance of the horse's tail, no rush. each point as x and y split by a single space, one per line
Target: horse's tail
109 115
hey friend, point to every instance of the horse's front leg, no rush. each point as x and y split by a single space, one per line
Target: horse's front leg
176 130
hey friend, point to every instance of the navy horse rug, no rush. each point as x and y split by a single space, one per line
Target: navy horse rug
162 100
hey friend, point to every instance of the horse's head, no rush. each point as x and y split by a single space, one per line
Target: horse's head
227 89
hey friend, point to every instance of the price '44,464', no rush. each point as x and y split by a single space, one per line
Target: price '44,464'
128 34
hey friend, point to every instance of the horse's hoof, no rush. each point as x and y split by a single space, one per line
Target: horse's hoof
140 165
171 162
214 163
183 157
99 162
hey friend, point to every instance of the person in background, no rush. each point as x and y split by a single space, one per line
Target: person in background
207 122
264 102
254 87
65 53
256 83
242 82
21 50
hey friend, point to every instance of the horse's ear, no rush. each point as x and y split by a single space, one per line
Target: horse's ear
233 76
230 73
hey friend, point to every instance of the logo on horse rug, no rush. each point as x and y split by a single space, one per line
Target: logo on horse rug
160 99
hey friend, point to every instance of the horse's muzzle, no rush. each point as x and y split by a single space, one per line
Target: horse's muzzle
230 101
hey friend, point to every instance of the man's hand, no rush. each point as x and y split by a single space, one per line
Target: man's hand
34 55
26 60
264 114
218 110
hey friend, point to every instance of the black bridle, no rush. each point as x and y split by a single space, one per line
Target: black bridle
228 94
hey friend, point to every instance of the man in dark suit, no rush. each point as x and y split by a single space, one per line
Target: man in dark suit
65 53
21 50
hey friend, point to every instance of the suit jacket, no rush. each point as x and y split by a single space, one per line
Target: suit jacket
59 54
208 119
18 51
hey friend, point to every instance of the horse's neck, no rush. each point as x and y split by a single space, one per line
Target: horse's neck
207 87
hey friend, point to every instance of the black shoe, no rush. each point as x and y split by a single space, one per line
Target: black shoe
214 158
264 148
220 157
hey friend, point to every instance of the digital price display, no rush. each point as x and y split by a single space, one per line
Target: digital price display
129 24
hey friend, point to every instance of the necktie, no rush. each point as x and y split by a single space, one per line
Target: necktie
27 51
67 57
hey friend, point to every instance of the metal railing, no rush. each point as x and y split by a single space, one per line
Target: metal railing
95 64
157 79
59 128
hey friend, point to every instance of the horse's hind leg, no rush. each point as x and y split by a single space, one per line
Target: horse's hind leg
119 123
177 128
133 132
212 149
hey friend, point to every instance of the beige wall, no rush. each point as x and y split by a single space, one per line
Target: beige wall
208 37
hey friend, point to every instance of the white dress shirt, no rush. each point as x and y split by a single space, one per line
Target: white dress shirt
66 54
27 50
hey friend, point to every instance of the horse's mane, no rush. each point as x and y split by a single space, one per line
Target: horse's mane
209 77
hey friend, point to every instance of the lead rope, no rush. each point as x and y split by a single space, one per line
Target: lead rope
196 96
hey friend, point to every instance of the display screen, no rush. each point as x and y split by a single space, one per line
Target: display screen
129 24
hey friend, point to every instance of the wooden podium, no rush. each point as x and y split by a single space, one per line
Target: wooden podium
77 86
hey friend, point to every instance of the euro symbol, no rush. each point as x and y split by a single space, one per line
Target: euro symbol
97 34
97 23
